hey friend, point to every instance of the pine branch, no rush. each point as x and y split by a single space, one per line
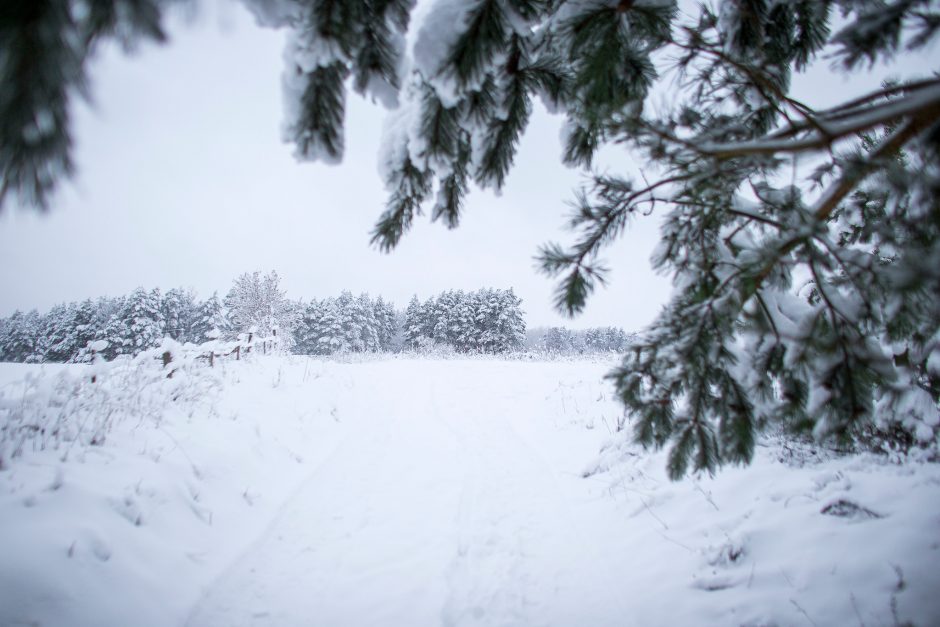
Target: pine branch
318 129
923 106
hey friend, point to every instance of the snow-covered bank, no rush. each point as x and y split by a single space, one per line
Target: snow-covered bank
128 533
447 492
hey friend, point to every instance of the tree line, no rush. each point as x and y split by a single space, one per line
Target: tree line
564 341
483 321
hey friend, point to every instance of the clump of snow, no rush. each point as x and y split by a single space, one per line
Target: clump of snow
438 33
98 346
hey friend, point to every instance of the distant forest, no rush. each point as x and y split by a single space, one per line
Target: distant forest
483 321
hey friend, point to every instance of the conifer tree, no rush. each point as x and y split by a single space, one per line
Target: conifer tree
413 331
84 328
209 317
369 330
386 323
142 320
306 332
56 341
21 336
179 311
332 337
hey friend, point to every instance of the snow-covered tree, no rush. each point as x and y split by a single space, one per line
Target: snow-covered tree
558 340
21 337
500 321
208 318
332 330
346 324
57 341
414 324
85 326
257 305
142 321
386 324
306 333
179 313
483 321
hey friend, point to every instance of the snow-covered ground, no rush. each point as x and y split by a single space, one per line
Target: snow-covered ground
447 492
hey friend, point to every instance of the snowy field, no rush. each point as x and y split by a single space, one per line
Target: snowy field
455 492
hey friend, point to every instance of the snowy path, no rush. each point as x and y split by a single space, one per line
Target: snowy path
434 510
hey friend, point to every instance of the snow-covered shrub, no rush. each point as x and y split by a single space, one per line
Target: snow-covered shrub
906 423
79 406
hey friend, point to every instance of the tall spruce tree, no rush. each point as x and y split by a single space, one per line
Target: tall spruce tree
209 317
20 337
804 299
84 330
56 338
179 312
386 324
143 324
414 324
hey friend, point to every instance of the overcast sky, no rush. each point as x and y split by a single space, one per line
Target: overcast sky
183 181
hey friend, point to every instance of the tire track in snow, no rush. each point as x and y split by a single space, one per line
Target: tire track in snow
433 511
357 544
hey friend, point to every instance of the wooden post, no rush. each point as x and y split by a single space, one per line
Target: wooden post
238 352
212 359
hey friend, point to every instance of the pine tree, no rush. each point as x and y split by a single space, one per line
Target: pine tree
57 334
386 324
464 322
142 322
5 325
509 324
111 327
113 332
209 318
306 332
370 331
442 312
179 312
413 332
21 337
333 336
84 328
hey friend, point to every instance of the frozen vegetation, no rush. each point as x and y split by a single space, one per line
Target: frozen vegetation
384 490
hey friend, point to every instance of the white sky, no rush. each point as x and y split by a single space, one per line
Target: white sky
183 181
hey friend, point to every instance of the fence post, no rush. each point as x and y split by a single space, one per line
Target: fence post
167 358
238 352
